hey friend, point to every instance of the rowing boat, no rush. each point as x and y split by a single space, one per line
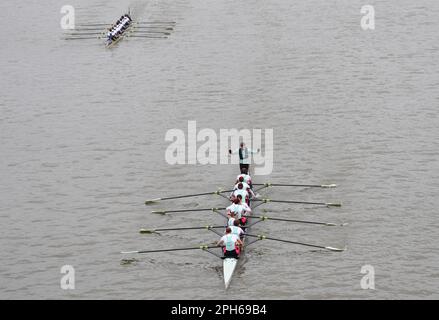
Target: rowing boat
110 44
230 264
146 30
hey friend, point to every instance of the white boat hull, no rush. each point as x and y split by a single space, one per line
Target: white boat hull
229 266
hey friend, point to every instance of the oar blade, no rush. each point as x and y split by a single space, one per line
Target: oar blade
152 201
330 224
162 212
330 204
336 249
147 231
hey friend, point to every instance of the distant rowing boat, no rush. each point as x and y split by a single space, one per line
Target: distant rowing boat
110 43
124 24
139 29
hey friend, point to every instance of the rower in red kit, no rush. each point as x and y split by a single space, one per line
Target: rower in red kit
231 243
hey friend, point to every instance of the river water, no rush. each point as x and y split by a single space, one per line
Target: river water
83 146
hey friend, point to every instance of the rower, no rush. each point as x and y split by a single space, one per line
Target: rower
241 191
236 208
244 209
231 243
245 206
236 229
244 177
240 210
125 24
246 187
231 218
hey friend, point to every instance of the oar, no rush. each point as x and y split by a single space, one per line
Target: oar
328 204
82 38
151 37
268 184
262 237
150 231
185 210
155 22
154 28
329 224
188 196
202 247
149 32
85 33
92 24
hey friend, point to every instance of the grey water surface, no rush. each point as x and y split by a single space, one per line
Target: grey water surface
82 140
